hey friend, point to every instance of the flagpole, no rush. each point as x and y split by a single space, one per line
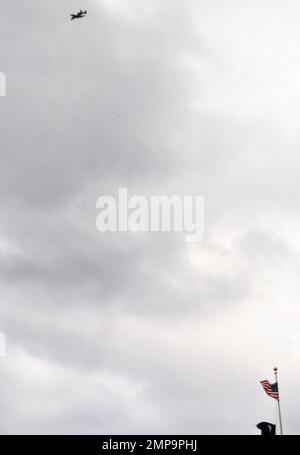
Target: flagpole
278 401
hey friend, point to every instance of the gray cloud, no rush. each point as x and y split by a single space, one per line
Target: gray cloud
143 333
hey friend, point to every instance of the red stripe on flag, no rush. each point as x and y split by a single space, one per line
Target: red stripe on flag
268 389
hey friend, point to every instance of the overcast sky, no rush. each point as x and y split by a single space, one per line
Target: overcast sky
143 333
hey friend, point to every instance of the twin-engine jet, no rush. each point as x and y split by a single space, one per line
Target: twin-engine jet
79 15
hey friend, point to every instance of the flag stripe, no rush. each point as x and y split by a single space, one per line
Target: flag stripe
270 389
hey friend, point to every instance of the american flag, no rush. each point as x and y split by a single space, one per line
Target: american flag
270 389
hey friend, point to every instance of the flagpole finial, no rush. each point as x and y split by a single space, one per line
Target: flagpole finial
275 369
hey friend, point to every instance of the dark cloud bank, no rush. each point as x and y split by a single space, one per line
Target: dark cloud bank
144 333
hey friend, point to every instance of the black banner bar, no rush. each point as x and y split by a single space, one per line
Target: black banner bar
104 445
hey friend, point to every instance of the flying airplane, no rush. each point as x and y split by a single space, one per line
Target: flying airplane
79 15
